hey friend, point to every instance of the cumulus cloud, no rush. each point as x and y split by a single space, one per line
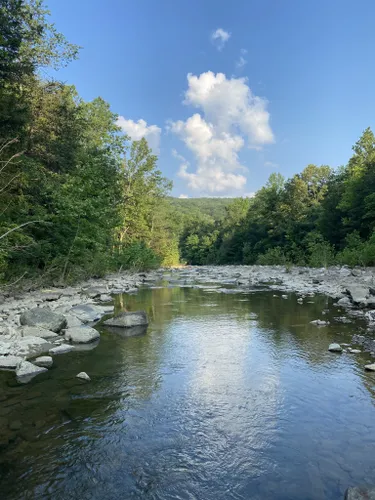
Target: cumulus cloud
231 118
137 130
219 38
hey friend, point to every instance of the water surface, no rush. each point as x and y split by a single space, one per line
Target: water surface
227 396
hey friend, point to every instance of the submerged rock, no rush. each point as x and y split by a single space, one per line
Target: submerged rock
83 376
133 331
81 335
128 319
26 371
44 318
360 493
61 349
44 361
319 322
335 348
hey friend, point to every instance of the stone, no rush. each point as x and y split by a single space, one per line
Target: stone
128 319
284 297
72 321
319 322
358 294
50 295
9 362
105 298
44 361
83 376
81 335
26 371
335 348
356 272
354 351
44 318
94 292
15 425
36 331
370 368
61 349
88 313
365 492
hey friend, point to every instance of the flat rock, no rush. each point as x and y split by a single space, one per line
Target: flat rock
354 351
61 349
360 493
370 368
83 376
81 335
50 295
26 371
319 322
94 292
128 319
44 361
36 331
88 313
9 362
72 321
105 298
335 348
44 318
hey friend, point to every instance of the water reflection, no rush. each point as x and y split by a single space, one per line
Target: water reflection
227 395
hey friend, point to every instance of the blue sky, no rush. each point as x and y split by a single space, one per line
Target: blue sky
302 93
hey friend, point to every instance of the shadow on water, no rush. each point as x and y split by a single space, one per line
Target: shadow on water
227 395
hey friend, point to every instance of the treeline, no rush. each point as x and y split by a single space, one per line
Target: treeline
77 198
318 218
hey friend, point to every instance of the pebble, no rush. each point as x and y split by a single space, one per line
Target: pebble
83 376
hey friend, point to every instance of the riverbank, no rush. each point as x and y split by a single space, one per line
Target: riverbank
57 320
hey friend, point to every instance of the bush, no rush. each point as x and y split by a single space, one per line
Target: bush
273 257
138 256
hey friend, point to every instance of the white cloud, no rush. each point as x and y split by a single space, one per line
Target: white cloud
232 117
183 196
219 38
241 61
271 164
137 130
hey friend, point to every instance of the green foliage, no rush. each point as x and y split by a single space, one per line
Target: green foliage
138 256
273 257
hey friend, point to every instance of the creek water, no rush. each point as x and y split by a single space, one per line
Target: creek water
227 396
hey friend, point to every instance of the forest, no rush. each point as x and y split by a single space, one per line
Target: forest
78 198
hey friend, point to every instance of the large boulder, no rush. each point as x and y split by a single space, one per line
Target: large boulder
44 318
81 335
26 347
26 371
358 294
128 319
360 493
36 331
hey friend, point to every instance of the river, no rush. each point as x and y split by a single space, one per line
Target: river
227 396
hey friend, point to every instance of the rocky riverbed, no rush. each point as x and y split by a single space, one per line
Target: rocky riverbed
36 326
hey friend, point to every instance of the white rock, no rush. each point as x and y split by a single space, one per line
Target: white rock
83 376
335 348
284 297
81 335
61 349
319 322
370 368
9 362
44 361
72 321
26 371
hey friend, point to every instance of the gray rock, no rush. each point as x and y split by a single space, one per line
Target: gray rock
72 321
88 313
358 294
50 295
105 298
354 351
133 331
370 368
94 292
360 493
284 297
356 272
83 376
44 318
335 348
9 362
44 361
26 371
319 322
61 349
81 335
36 331
26 347
128 319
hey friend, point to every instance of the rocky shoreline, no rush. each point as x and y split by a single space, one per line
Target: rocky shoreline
37 325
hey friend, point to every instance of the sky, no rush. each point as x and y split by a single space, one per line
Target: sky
227 92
